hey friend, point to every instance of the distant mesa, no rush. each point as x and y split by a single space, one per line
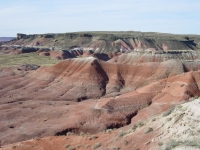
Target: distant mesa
108 42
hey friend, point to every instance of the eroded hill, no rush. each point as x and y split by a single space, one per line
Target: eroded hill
88 95
120 87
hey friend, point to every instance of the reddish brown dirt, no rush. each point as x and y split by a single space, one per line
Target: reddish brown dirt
106 140
110 95
152 134
60 55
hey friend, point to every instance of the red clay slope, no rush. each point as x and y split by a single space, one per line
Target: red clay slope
32 116
44 102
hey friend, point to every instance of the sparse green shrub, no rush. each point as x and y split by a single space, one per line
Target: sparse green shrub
140 124
82 134
172 144
184 108
159 91
134 127
179 106
168 112
135 148
69 133
71 148
90 138
160 143
147 130
87 146
126 142
66 145
191 99
94 137
194 143
168 119
121 133
108 130
96 145
115 148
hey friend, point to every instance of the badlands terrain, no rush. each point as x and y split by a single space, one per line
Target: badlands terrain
100 90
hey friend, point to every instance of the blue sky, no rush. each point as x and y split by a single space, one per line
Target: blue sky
60 16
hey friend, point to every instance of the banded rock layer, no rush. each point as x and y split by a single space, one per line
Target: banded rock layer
108 42
89 95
